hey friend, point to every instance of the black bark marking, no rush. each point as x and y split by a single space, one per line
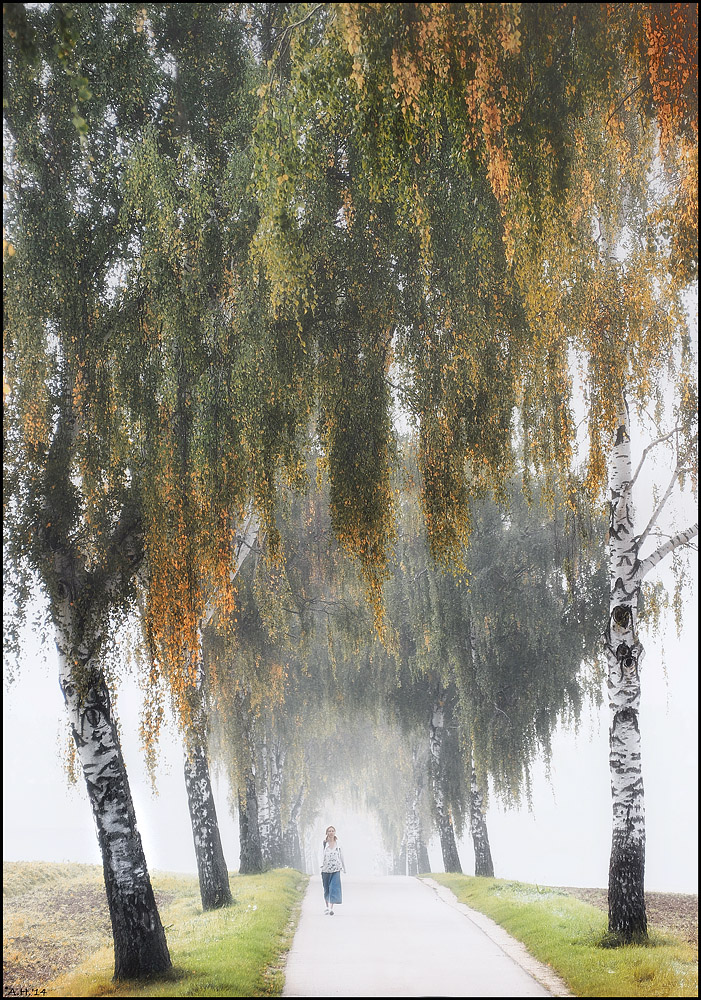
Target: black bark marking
621 435
626 716
622 613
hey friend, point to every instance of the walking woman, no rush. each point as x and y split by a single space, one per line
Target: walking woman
332 864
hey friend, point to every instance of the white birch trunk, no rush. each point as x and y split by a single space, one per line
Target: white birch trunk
264 804
277 761
140 945
484 866
292 844
211 865
412 836
627 917
449 849
215 890
209 854
251 858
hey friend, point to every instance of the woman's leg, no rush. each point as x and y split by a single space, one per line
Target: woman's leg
334 890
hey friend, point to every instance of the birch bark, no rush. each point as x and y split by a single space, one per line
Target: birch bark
624 651
292 843
412 834
627 916
449 849
215 890
277 761
140 946
251 858
484 867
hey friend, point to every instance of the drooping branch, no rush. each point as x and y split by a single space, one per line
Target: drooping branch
681 538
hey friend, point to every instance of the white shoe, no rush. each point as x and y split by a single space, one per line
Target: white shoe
326 910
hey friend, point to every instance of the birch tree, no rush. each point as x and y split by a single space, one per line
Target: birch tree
209 422
631 560
72 512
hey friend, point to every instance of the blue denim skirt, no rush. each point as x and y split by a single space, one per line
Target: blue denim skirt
332 886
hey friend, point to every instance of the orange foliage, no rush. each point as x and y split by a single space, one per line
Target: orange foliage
673 68
188 548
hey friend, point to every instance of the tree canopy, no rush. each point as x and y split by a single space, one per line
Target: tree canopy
245 242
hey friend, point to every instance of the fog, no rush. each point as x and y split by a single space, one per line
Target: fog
565 840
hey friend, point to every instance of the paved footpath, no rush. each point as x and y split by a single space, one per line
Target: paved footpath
402 937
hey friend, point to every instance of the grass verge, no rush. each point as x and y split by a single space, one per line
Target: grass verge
236 951
567 935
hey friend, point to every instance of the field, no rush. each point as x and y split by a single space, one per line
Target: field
55 917
666 911
55 920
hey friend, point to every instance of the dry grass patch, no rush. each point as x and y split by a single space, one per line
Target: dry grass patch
57 934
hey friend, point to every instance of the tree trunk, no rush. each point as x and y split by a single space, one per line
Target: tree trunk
291 841
251 862
277 761
478 827
211 865
140 947
263 800
449 848
627 916
413 835
249 831
251 858
424 862
269 802
400 859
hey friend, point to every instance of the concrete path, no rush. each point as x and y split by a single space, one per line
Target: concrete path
397 937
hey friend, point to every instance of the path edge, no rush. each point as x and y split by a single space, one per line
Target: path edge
517 951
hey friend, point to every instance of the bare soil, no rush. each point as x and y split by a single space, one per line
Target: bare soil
672 912
48 931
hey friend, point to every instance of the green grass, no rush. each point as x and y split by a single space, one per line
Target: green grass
235 951
567 934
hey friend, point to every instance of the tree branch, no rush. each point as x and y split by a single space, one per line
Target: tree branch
681 538
621 103
244 544
284 39
297 24
658 510
660 440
